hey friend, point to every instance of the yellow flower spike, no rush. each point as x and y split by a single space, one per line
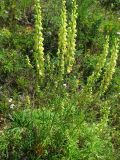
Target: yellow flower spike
38 47
96 74
87 93
110 68
62 42
71 38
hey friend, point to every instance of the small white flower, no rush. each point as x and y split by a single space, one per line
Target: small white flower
65 85
10 100
22 97
12 106
118 33
6 12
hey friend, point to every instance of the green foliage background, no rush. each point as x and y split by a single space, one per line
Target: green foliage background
56 120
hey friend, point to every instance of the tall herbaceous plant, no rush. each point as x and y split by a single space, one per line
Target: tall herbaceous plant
66 52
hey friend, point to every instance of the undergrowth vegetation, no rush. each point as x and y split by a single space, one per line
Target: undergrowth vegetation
59 80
